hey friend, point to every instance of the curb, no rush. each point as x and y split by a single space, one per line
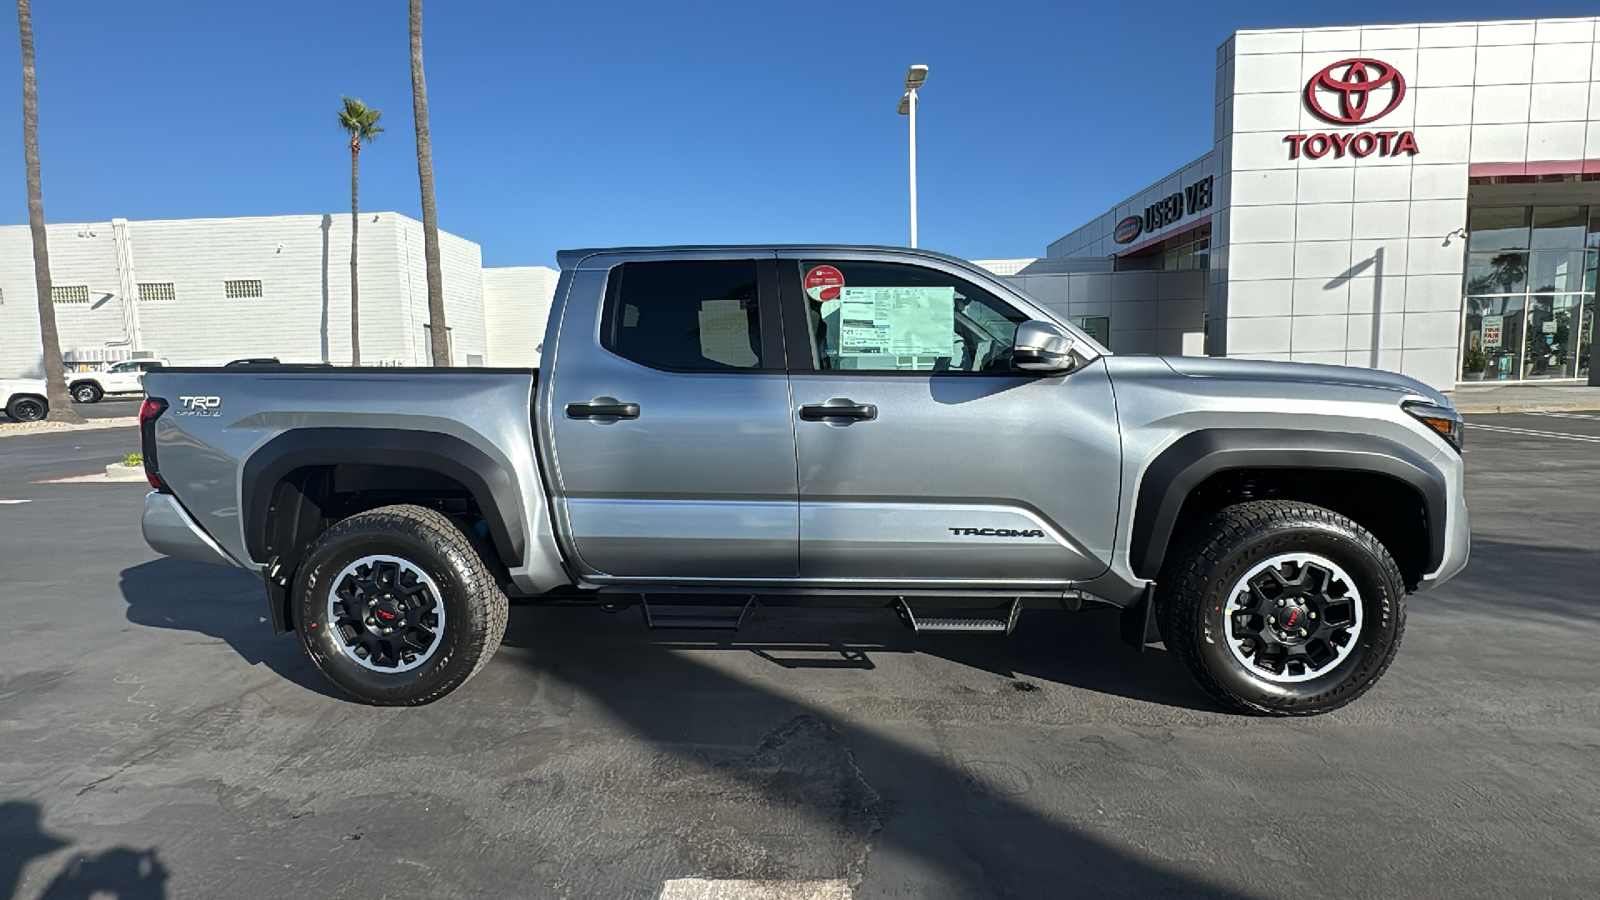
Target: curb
8 429
1488 407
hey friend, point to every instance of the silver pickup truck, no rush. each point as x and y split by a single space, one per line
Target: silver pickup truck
720 427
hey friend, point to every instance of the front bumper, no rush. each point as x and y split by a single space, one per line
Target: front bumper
168 529
1457 525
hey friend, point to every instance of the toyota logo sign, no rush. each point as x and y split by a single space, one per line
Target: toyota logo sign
1359 85
1354 92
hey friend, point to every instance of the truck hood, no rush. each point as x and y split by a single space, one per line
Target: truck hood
1289 373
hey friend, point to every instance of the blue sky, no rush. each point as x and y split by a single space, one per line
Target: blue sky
567 125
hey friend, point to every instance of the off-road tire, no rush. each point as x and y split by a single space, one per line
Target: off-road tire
475 606
27 408
1196 580
87 392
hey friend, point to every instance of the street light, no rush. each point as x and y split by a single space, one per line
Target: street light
915 76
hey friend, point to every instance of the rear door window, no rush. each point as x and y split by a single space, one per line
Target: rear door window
687 316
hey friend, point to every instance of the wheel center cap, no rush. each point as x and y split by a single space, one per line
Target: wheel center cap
387 613
1291 619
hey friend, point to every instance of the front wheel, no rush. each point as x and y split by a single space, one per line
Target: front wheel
1282 608
396 607
87 393
27 409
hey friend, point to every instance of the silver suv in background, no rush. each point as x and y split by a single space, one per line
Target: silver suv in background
716 428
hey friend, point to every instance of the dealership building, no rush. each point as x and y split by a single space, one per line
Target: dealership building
1419 198
207 291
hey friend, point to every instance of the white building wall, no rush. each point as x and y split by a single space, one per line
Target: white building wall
516 308
461 267
303 315
1149 311
1359 261
1095 238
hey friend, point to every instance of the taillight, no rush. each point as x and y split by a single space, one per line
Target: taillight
150 410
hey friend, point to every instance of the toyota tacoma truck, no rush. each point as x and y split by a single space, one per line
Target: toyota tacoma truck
719 428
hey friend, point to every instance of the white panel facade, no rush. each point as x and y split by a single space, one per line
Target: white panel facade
516 308
300 313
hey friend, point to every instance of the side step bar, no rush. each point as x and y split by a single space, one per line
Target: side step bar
1000 620
722 613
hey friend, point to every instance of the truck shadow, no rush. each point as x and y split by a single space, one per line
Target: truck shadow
228 604
938 823
120 872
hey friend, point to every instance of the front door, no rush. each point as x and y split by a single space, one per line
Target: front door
924 456
672 437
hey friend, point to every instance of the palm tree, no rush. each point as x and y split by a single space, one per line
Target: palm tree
438 334
54 375
360 122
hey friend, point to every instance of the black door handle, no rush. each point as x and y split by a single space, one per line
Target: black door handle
838 408
603 408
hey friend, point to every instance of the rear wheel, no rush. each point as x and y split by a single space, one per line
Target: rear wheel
27 408
396 607
87 392
1282 608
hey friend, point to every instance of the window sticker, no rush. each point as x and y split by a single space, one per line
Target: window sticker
897 321
823 283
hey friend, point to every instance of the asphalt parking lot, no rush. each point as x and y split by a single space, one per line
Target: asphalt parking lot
156 740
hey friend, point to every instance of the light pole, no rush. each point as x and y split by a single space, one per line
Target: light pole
915 76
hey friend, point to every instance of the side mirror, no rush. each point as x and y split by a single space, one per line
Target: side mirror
1042 347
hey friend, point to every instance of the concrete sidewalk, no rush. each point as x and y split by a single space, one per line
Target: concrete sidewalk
1514 398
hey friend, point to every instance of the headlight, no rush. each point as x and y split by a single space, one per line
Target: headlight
1442 419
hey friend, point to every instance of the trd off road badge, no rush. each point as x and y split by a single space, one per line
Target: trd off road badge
199 406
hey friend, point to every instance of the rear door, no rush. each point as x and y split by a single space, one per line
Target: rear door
669 417
924 456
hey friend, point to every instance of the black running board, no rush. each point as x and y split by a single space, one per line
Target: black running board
686 613
999 620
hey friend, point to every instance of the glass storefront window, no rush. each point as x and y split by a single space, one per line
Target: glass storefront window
1498 228
1585 336
1497 273
1493 339
1530 286
1555 271
1552 336
1558 227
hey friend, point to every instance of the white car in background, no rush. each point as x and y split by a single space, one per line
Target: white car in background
126 377
23 399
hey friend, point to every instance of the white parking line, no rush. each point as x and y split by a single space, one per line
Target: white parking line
1529 432
10 502
716 889
1560 415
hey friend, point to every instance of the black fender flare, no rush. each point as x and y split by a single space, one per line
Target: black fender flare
488 480
1190 460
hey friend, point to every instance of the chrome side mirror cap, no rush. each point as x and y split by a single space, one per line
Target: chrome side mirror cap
1042 347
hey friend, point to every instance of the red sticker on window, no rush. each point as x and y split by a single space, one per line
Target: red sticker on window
823 283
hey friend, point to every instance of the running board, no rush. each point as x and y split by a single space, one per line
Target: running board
676 613
1000 620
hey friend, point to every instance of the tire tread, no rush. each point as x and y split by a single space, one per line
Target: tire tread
1180 597
448 539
